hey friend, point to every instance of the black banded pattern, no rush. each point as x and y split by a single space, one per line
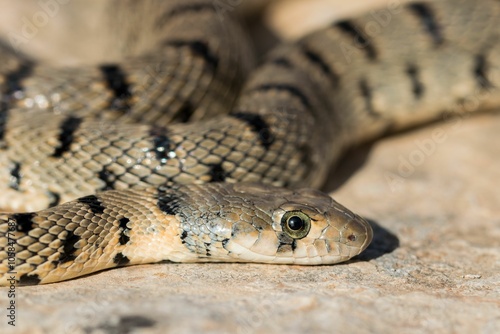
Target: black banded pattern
93 203
55 199
24 221
169 203
15 176
69 249
66 135
4 117
414 74
259 126
316 59
199 49
116 81
29 280
12 85
291 122
184 114
429 22
481 72
360 40
162 145
283 62
217 173
120 259
124 238
14 79
290 89
184 235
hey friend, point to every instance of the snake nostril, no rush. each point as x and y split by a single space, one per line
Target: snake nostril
352 237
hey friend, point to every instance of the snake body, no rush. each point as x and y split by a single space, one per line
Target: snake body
71 135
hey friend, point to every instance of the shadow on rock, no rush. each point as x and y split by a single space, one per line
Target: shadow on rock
347 166
384 242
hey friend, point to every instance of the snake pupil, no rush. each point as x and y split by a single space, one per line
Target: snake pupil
295 223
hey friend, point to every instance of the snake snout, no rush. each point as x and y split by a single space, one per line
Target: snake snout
357 233
346 234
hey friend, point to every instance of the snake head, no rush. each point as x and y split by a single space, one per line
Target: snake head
304 227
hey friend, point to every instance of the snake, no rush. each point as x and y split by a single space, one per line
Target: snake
185 152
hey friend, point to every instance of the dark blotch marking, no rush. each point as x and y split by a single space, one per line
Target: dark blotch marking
207 248
93 202
4 117
286 243
120 259
123 225
67 135
184 236
224 243
424 12
24 221
69 249
117 83
286 88
108 178
13 79
367 95
294 245
185 113
15 176
318 61
217 173
161 143
56 198
29 280
169 203
283 62
12 85
361 41
200 49
414 74
481 72
258 125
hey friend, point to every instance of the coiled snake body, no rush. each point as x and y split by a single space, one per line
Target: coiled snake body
71 135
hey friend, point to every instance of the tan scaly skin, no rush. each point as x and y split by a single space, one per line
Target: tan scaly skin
215 222
71 133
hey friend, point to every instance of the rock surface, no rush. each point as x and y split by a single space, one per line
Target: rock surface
434 264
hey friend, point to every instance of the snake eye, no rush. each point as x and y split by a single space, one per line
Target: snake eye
296 224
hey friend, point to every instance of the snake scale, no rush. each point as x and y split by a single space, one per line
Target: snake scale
104 169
